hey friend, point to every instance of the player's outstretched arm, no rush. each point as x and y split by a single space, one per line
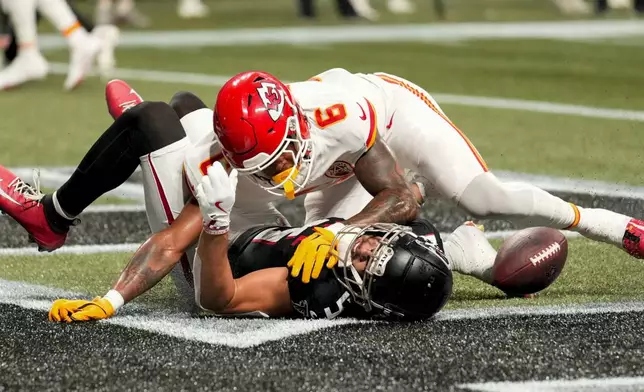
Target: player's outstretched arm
159 254
215 288
379 173
151 263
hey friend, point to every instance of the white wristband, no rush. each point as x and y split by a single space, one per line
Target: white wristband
115 299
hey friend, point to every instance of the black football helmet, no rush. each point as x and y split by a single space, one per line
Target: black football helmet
407 276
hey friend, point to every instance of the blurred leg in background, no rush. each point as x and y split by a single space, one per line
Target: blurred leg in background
125 12
358 8
602 6
27 62
345 8
120 12
573 7
191 9
639 6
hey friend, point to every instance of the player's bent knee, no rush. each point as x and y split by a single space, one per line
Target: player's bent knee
154 125
185 102
147 111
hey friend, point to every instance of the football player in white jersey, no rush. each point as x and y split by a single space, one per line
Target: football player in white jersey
426 142
318 140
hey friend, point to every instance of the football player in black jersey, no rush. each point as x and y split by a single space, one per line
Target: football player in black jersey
381 270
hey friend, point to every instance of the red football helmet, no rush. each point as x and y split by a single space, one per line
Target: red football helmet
256 121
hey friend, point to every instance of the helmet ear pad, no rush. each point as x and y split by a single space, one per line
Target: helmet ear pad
417 282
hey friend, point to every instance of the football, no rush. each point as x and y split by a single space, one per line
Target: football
529 261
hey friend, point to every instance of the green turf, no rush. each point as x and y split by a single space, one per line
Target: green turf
89 274
593 273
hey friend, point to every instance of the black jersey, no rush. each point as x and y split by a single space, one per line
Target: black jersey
273 246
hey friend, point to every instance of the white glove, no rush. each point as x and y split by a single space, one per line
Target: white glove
216 197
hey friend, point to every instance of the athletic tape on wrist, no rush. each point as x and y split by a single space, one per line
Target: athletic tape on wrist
115 299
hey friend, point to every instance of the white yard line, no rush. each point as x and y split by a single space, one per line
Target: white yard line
615 384
52 177
116 208
434 32
117 248
592 308
189 78
71 250
574 185
247 333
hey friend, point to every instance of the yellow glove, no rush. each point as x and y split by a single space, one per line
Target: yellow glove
62 309
81 310
310 255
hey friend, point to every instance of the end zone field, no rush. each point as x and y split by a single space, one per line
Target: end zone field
569 110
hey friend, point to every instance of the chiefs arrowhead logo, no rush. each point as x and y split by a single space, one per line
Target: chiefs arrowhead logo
273 99
339 169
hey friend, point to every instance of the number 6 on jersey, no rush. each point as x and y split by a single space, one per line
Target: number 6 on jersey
331 115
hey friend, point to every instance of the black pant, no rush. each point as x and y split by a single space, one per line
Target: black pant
307 9
11 51
602 5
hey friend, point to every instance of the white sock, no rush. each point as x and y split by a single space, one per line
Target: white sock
541 208
124 7
189 2
470 253
59 209
104 12
61 16
522 203
23 18
105 5
602 225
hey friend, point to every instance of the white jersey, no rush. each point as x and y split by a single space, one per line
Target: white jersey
343 127
253 205
415 128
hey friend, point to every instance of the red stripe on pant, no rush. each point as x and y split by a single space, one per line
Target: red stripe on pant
185 264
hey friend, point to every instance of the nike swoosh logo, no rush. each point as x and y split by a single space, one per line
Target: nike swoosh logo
6 196
132 91
364 115
391 120
218 205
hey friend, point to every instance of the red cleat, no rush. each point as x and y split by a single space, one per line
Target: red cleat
633 240
22 202
120 97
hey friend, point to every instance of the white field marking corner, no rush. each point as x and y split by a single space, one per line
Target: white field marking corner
243 333
615 384
231 332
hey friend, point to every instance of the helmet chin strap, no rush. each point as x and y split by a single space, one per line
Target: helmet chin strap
286 178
